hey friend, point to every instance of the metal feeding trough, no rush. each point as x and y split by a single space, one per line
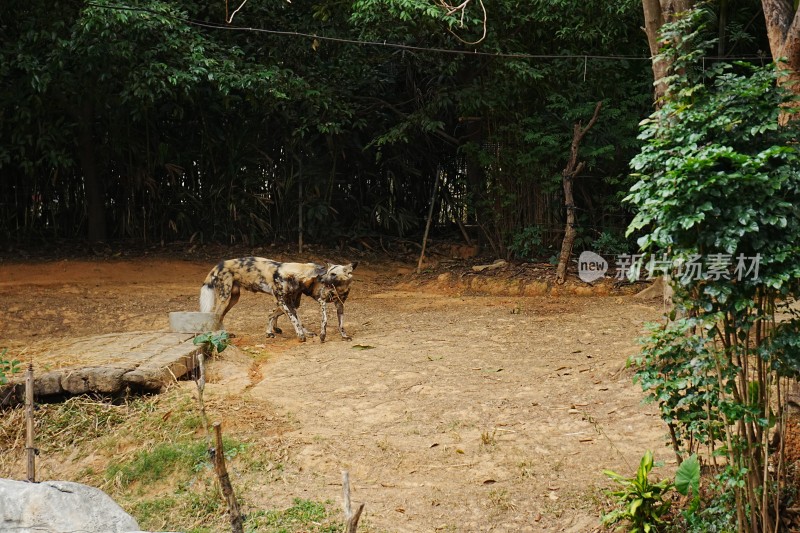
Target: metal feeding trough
193 322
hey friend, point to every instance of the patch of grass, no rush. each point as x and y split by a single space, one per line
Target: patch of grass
501 500
527 469
149 453
192 511
77 420
153 511
148 466
488 439
204 506
304 516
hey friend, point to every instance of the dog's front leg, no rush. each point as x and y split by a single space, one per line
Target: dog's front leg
340 316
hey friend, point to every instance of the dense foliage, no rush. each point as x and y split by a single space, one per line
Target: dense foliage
153 120
717 196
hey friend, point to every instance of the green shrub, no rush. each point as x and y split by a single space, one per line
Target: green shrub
640 502
716 198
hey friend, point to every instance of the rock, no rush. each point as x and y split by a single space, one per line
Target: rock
105 379
500 263
59 506
48 384
193 322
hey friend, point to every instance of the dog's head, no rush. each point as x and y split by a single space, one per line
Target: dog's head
339 275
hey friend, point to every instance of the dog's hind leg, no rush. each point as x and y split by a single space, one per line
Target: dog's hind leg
231 299
340 316
272 325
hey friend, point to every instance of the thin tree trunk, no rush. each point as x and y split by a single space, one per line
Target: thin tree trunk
428 224
572 169
93 187
723 24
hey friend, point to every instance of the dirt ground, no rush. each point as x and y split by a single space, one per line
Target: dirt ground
452 410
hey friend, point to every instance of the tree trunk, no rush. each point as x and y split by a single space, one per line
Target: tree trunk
656 14
93 187
783 31
572 169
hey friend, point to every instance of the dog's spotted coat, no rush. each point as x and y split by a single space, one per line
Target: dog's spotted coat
287 282
331 287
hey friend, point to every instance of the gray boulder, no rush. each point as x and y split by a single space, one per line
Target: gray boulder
60 507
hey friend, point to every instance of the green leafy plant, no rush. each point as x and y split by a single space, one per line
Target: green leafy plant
687 478
640 502
608 243
527 243
7 366
219 340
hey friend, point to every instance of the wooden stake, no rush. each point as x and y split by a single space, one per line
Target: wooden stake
350 518
29 447
225 482
201 385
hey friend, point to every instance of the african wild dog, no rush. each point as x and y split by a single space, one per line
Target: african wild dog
285 281
331 287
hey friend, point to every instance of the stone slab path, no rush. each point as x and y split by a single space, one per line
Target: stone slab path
106 364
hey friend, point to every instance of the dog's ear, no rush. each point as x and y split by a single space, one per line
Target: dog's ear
353 265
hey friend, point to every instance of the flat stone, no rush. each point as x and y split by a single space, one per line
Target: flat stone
103 379
107 364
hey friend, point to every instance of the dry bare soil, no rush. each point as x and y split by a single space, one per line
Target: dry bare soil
452 411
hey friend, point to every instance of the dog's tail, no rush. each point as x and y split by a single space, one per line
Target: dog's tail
208 294
208 298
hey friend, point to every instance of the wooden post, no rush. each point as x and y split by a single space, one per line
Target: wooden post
350 518
569 173
29 447
201 386
225 481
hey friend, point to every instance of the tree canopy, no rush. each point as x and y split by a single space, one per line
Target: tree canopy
157 121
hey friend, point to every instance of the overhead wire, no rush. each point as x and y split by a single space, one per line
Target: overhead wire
387 44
